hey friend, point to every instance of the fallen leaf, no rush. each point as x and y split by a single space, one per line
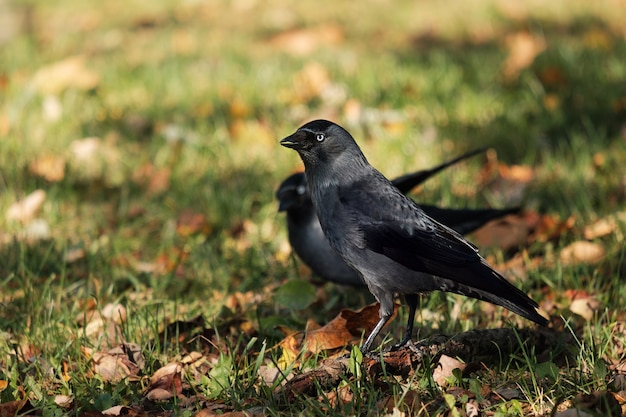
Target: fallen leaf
585 307
122 361
506 233
166 382
91 159
63 401
12 408
472 409
551 227
70 72
120 410
508 393
552 78
36 229
156 180
600 228
339 397
523 48
304 41
25 210
49 167
444 368
268 375
110 368
339 332
518 173
190 223
582 252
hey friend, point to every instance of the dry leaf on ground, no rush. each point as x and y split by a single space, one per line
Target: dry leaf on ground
582 252
346 327
585 307
601 227
523 48
155 180
304 41
49 167
116 364
26 209
506 233
166 382
444 369
190 223
69 72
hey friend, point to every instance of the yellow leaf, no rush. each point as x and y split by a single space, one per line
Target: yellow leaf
70 72
523 49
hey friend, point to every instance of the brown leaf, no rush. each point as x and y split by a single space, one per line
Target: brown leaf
507 233
517 173
166 382
156 180
191 223
304 41
582 252
444 369
523 49
341 396
551 227
25 210
12 408
49 167
585 307
68 73
339 332
121 362
552 78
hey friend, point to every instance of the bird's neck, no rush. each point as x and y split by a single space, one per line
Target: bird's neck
343 171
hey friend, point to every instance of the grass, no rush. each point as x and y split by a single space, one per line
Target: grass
174 215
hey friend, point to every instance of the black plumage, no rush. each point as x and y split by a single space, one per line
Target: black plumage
386 237
309 243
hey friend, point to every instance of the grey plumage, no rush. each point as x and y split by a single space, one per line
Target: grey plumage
385 236
309 243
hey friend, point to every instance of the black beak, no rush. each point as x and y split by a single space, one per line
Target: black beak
294 141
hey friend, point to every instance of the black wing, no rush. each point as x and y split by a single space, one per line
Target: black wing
395 226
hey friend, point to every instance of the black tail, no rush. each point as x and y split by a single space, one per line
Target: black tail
466 220
407 182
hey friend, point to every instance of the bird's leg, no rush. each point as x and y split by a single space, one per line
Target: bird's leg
411 301
385 312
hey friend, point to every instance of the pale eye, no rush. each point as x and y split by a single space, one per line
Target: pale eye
320 137
300 189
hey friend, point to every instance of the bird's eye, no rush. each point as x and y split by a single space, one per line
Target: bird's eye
300 189
320 137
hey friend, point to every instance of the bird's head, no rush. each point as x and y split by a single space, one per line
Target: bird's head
321 141
293 193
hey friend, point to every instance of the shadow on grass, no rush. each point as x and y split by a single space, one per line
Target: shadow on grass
575 86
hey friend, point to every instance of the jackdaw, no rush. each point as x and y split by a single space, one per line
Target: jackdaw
385 236
312 247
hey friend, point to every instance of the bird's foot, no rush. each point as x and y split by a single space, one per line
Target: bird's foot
405 344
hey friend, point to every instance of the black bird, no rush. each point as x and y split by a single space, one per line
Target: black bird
395 247
310 244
